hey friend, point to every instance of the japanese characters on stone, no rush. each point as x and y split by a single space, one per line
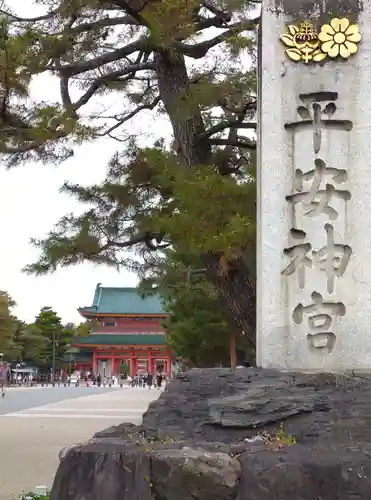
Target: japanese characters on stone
315 190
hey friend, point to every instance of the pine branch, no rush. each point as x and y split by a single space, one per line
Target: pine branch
146 238
224 16
103 23
124 244
232 123
242 142
138 109
99 82
17 19
28 146
133 8
199 50
209 22
70 70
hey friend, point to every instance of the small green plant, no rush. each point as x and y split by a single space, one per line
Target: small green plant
33 496
279 439
283 438
150 484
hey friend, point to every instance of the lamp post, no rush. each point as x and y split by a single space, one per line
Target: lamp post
70 358
53 359
54 345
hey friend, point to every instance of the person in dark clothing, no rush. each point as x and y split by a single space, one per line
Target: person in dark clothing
149 380
159 380
99 380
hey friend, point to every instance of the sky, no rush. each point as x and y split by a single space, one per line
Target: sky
30 204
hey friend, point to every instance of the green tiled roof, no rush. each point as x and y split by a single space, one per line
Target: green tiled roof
123 301
107 339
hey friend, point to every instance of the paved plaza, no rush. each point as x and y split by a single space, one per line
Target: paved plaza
35 423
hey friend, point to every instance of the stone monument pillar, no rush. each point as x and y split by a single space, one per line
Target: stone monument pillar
314 249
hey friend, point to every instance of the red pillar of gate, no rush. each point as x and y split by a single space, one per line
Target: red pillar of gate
133 365
94 370
131 370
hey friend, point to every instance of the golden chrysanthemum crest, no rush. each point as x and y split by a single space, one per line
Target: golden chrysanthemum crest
339 38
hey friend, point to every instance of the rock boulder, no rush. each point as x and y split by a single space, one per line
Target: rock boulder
217 435
113 469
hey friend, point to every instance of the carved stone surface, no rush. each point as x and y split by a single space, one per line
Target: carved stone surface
309 8
185 451
314 187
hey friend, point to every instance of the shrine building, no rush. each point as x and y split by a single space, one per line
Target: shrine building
127 330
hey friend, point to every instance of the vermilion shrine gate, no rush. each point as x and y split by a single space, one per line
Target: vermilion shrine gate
128 330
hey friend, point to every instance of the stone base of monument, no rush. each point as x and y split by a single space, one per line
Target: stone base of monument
213 435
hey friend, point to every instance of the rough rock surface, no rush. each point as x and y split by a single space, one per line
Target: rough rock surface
216 405
198 442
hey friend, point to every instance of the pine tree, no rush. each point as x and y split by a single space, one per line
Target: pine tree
196 330
6 322
179 59
18 341
199 326
48 325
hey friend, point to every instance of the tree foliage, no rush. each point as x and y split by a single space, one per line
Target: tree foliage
33 343
83 328
18 343
6 322
195 193
197 329
199 326
48 326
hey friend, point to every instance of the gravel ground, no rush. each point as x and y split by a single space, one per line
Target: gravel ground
35 423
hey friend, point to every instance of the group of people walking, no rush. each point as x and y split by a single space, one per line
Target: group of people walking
147 380
140 380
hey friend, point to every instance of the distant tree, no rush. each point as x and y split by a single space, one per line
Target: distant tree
7 325
124 369
48 325
33 343
199 327
29 345
66 335
23 343
85 327
13 352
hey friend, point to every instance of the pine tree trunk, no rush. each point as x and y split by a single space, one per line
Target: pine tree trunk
237 290
232 349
